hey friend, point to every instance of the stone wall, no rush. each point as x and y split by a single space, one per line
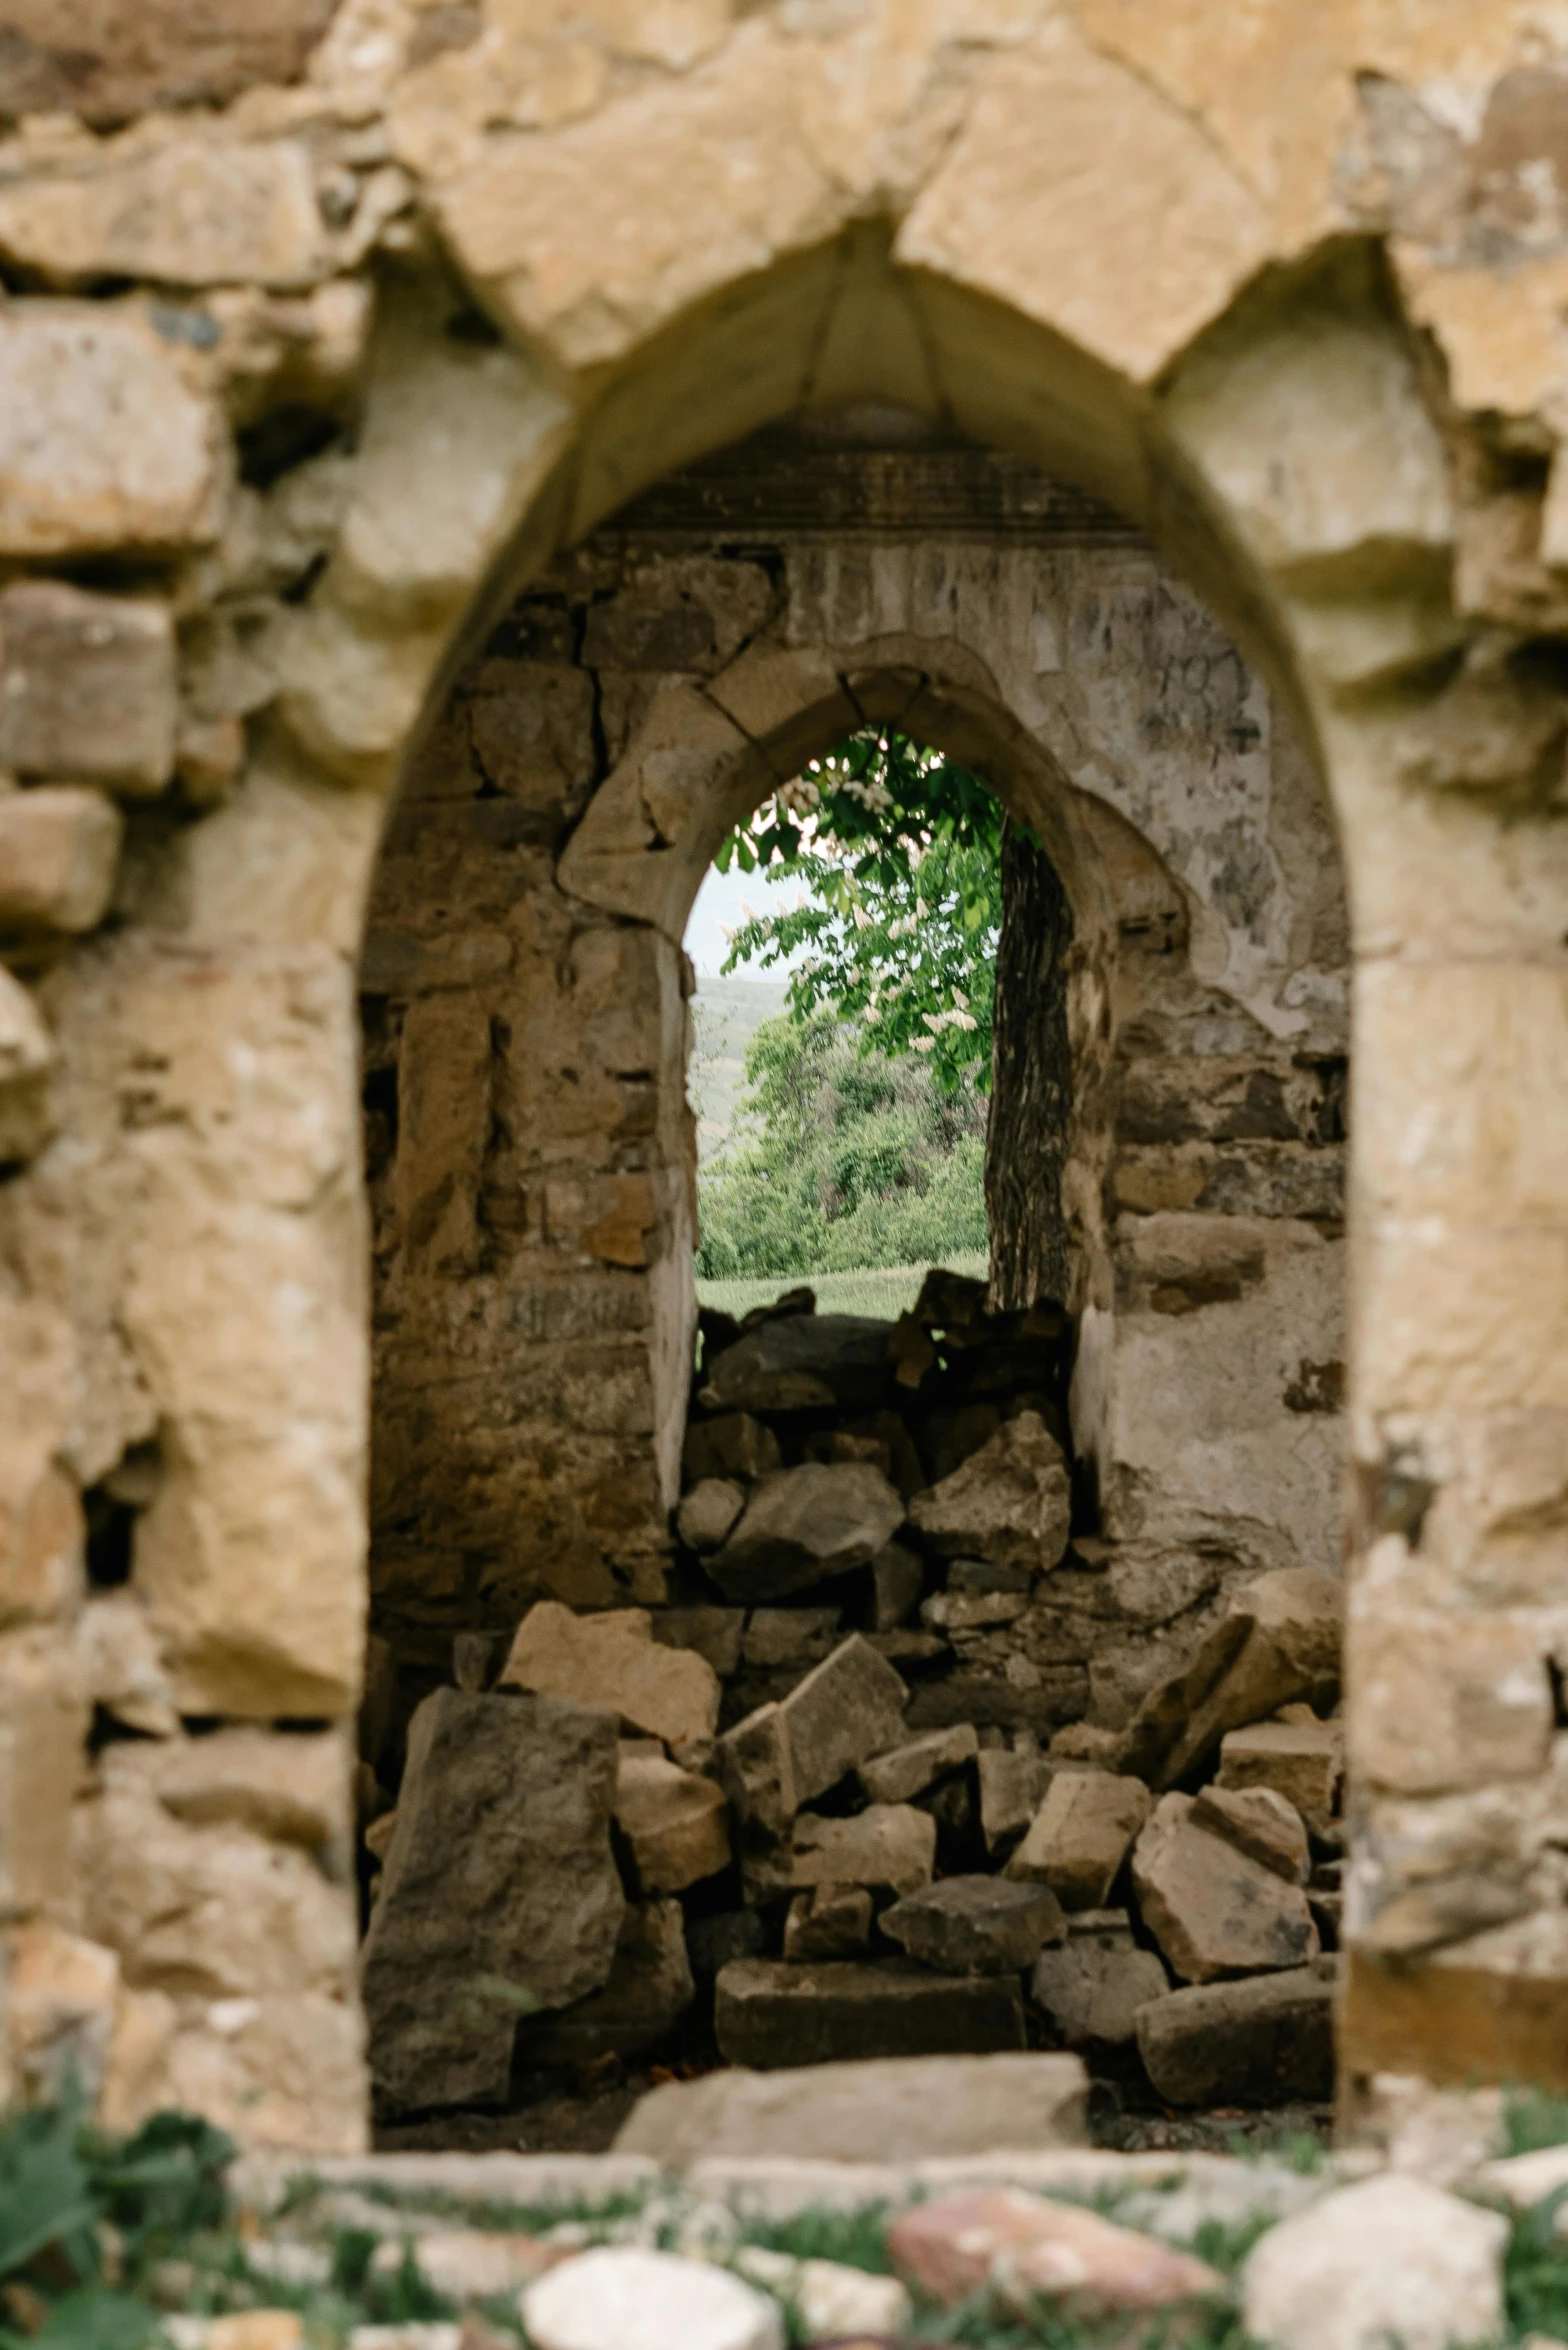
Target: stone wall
304 375
529 1146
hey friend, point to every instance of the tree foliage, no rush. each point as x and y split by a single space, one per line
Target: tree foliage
841 1159
898 854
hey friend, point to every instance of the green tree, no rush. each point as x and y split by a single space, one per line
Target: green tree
841 1160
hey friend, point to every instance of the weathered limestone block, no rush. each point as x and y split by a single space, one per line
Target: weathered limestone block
756 1769
293 1788
828 1921
27 1057
1259 1822
612 1662
1021 2247
276 2073
1008 1503
676 1824
60 2008
87 686
208 1907
908 1770
1266 2039
1456 1699
880 2110
1388 2254
888 1848
609 2296
708 1512
59 853
1011 1787
803 1526
499 1872
976 1925
800 1363
102 444
1277 1643
770 2013
44 1721
1093 1984
850 1707
1080 1836
191 212
122 1665
649 1989
1214 1911
111 62
1301 1761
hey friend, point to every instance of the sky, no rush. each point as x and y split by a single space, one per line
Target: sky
719 901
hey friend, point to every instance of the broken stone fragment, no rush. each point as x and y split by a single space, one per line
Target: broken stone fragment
1026 2248
770 2013
755 1769
499 1891
886 2109
649 1989
731 1445
1093 1985
618 2296
1388 2259
708 1511
27 1057
1011 1784
1278 1641
801 1363
976 1925
802 1526
798 1636
123 1665
850 1707
832 2301
828 1921
1260 1823
971 1611
1214 1911
675 1824
1301 1763
59 853
1008 1503
896 1581
1260 2041
889 1847
87 686
714 1632
908 1770
188 212
612 1662
1081 1834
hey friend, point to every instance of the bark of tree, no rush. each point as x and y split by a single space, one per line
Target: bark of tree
1031 1081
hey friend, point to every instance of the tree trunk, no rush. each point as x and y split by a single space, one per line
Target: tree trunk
1031 1081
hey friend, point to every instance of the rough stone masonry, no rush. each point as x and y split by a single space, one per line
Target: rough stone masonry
325 336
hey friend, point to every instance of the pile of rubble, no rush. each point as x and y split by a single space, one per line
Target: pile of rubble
831 1800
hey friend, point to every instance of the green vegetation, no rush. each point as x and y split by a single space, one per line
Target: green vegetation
840 1161
885 1292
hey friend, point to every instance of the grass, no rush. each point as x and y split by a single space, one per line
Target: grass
885 1291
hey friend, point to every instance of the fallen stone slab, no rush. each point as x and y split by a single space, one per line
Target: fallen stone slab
976 1925
1026 2248
1012 1785
1390 2259
805 1525
757 1772
768 2013
888 1847
1278 1642
1009 1502
612 1662
676 1825
1254 2042
1081 1834
909 1769
1213 1911
801 1363
850 1707
1260 1823
1094 1983
621 2298
499 1877
892 2109
649 1989
829 1921
1302 1762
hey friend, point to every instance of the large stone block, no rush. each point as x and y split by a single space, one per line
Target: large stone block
850 1707
1257 2042
102 443
1214 1911
1447 1700
1093 1984
59 853
191 212
1008 1503
769 2013
113 59
648 1990
1080 1836
976 1925
803 1526
27 1118
1386 2256
675 1824
887 2109
613 1662
888 1847
499 1886
801 1363
1278 1643
87 686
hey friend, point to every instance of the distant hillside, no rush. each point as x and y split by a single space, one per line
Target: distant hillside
726 1014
